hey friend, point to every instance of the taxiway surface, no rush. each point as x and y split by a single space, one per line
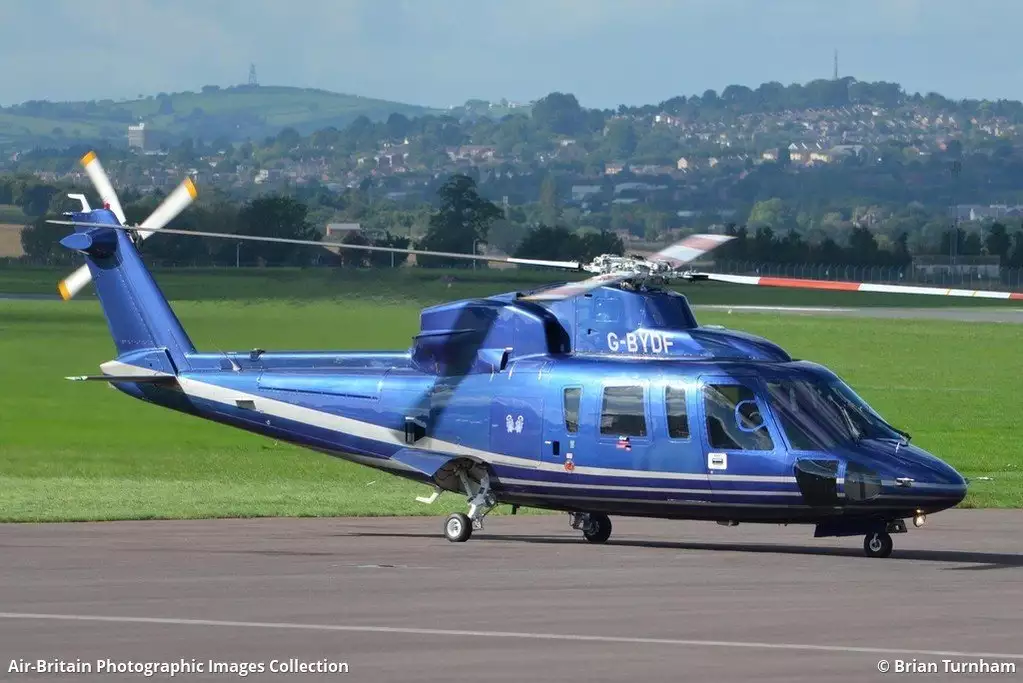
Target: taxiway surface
524 600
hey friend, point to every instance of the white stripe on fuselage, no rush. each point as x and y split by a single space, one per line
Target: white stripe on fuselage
119 369
367 430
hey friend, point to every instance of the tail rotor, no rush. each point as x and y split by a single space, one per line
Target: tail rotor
176 202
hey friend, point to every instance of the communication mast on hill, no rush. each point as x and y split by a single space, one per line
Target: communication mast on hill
252 75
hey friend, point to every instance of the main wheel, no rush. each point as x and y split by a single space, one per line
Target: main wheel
878 544
598 529
457 527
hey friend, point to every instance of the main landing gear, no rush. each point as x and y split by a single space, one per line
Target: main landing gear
458 527
596 526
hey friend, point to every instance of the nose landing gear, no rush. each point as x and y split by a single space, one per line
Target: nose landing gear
878 544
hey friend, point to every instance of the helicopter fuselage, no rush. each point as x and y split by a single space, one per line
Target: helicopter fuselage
699 439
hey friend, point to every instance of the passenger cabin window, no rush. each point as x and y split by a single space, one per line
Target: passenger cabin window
571 402
622 412
675 409
734 421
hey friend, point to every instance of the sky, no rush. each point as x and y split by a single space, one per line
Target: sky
443 52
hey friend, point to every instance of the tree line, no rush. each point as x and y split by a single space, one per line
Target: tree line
463 221
460 223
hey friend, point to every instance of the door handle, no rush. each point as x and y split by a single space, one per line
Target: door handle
555 447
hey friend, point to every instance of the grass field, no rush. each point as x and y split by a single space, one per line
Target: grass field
71 451
9 213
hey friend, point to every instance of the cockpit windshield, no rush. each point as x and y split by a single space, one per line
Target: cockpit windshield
822 414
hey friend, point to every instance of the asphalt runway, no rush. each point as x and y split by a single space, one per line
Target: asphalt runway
524 600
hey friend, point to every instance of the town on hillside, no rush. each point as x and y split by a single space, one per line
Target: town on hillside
809 163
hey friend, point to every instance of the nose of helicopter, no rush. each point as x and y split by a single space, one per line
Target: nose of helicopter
905 476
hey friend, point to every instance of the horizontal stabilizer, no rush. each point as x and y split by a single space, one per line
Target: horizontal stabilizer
148 379
423 462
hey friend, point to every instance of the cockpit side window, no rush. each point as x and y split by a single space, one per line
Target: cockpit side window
818 415
675 409
623 412
799 413
734 420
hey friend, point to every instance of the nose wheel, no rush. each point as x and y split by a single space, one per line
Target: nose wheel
878 544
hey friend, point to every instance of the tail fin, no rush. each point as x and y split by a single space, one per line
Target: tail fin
145 330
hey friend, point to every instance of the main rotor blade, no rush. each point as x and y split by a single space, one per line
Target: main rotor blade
841 286
571 265
571 289
690 249
100 180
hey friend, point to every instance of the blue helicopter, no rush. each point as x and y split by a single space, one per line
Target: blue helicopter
597 398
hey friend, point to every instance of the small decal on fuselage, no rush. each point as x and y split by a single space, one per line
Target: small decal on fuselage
514 424
640 341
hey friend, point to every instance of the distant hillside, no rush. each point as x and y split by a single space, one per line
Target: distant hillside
238 113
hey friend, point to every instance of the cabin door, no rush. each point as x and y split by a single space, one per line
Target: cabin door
740 441
516 429
562 412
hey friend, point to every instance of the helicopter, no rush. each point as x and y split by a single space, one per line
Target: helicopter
600 397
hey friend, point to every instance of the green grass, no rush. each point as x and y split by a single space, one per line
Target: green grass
12 214
71 451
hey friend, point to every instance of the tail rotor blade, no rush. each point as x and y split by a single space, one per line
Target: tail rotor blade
100 180
74 283
176 202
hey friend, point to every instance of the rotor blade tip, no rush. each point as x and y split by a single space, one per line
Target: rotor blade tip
88 158
193 192
65 293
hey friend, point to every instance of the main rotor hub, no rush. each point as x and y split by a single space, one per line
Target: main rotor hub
641 269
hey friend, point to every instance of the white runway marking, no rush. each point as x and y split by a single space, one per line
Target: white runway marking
506 634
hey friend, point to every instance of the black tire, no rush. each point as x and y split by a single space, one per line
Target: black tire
878 544
457 528
599 529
